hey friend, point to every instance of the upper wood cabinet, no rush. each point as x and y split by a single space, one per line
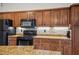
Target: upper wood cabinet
30 15
60 17
46 18
38 16
22 15
8 16
54 17
75 15
0 15
19 16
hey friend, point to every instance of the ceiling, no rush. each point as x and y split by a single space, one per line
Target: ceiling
9 7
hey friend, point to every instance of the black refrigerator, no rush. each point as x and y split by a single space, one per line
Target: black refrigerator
4 24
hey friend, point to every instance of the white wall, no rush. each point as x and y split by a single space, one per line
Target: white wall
6 7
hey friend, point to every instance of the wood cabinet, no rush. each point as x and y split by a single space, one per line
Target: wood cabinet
75 29
19 16
55 45
54 17
64 46
0 15
75 40
22 15
46 18
39 18
12 41
30 15
75 15
60 17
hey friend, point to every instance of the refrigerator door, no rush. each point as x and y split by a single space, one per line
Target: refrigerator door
3 38
3 24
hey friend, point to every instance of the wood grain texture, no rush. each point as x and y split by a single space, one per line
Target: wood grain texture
39 18
64 46
46 18
60 17
75 15
75 40
12 41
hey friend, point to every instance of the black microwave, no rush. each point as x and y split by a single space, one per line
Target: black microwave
28 23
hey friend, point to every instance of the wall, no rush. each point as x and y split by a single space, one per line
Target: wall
7 7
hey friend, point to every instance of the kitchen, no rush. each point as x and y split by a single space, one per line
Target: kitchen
49 31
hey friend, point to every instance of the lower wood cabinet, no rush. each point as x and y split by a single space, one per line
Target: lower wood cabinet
64 46
12 41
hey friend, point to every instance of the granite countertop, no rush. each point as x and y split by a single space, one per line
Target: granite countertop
43 36
25 50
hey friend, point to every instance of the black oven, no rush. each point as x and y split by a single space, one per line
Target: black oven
28 23
25 41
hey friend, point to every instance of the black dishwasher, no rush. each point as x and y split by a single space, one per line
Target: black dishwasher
25 41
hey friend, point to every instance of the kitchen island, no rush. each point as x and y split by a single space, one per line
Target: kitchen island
60 44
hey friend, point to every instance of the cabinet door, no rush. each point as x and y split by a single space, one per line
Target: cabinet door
12 41
75 15
75 40
38 17
30 15
0 15
55 45
19 16
45 44
54 17
60 17
64 17
9 16
67 47
46 18
37 43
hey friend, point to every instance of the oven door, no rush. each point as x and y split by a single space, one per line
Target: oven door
24 41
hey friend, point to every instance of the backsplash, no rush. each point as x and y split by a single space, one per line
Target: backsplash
43 29
19 30
46 30
52 30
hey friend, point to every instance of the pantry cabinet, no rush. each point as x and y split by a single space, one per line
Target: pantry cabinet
60 17
75 28
46 18
75 15
39 18
75 40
